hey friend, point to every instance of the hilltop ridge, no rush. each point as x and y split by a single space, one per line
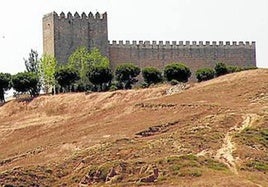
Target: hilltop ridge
214 133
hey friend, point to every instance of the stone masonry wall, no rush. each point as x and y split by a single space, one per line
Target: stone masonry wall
69 32
48 34
195 55
62 34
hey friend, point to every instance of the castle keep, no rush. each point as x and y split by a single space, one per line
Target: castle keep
62 34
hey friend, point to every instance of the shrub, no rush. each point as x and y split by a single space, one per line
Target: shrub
204 74
233 69
152 75
177 71
220 69
126 73
249 68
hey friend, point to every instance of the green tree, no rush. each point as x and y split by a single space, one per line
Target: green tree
47 71
101 76
5 79
96 58
32 64
177 71
151 75
126 73
79 61
66 77
204 74
24 81
83 60
221 69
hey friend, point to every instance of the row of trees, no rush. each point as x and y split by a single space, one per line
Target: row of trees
205 74
89 70
39 72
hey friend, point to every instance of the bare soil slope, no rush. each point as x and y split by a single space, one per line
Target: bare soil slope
213 134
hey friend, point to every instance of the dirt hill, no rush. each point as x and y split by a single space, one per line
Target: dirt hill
213 133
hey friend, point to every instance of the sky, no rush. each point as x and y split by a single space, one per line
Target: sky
167 20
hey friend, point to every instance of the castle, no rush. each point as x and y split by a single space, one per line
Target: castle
63 34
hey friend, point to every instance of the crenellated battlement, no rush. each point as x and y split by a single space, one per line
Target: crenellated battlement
180 44
76 15
63 33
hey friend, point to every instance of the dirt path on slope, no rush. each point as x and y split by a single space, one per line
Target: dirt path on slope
225 153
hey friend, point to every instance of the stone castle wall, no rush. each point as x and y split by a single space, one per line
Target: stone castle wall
193 54
63 34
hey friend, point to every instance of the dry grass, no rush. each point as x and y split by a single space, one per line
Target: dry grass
58 140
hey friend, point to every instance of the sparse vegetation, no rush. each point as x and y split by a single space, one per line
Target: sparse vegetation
258 165
254 136
213 164
190 172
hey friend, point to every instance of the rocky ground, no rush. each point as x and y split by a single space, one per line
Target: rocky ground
213 133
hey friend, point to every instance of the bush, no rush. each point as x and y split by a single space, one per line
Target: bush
249 68
177 71
152 75
220 69
126 73
204 74
233 69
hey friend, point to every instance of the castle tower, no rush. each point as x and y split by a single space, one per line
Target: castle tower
63 34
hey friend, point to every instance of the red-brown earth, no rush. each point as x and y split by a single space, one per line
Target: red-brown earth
213 133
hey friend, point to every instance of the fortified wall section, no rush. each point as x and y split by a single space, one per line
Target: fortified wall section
194 54
63 34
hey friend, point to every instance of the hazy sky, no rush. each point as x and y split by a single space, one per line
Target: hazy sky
193 20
